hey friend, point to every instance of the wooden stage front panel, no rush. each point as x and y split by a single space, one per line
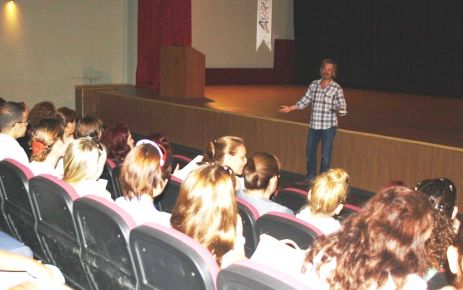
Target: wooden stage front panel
371 159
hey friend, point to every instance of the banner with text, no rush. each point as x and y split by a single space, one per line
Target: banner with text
264 23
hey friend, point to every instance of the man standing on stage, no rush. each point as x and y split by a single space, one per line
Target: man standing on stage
327 100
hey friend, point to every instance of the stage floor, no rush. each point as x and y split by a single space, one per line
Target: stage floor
431 119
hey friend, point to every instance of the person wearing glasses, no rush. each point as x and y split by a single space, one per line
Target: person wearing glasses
325 200
13 125
84 161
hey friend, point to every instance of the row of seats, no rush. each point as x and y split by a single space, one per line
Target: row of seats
281 226
97 245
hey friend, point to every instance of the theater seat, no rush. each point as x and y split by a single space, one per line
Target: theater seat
248 275
104 229
166 201
292 198
249 215
111 174
18 207
167 259
180 160
56 228
286 226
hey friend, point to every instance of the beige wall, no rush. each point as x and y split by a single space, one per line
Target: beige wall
225 31
49 46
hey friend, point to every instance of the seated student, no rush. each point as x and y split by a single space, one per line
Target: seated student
12 245
118 141
381 247
69 117
20 272
261 174
89 126
48 145
40 111
84 161
143 177
325 200
455 261
206 210
227 151
13 125
442 194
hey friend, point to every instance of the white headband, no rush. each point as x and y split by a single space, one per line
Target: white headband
146 141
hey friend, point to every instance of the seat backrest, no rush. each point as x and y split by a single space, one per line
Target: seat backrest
56 228
180 160
249 216
246 274
286 226
104 229
111 174
166 201
167 259
347 210
292 198
19 208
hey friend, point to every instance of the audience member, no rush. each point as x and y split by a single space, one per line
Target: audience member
142 178
118 141
325 199
206 211
20 272
13 125
261 174
40 111
69 117
227 151
84 161
442 194
48 144
455 261
89 126
382 247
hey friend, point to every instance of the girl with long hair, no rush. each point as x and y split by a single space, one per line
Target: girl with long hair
382 247
206 210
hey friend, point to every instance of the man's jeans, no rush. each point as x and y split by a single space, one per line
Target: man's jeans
326 136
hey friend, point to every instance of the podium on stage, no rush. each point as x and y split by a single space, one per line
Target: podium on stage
182 72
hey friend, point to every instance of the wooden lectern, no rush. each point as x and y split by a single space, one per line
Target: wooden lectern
182 72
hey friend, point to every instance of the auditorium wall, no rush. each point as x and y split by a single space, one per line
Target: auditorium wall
225 31
48 47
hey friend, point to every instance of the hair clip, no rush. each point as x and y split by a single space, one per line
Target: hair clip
38 147
162 158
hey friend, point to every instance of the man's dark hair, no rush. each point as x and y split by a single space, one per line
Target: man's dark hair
10 113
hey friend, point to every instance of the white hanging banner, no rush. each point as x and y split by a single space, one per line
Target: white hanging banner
264 23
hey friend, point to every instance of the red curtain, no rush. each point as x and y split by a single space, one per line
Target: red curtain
160 23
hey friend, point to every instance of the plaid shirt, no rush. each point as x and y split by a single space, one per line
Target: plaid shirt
325 104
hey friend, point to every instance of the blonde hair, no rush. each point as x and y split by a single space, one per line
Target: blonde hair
328 191
84 160
141 171
45 134
206 209
216 150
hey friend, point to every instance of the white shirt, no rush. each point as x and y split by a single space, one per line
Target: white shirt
10 148
325 224
142 210
96 187
43 168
